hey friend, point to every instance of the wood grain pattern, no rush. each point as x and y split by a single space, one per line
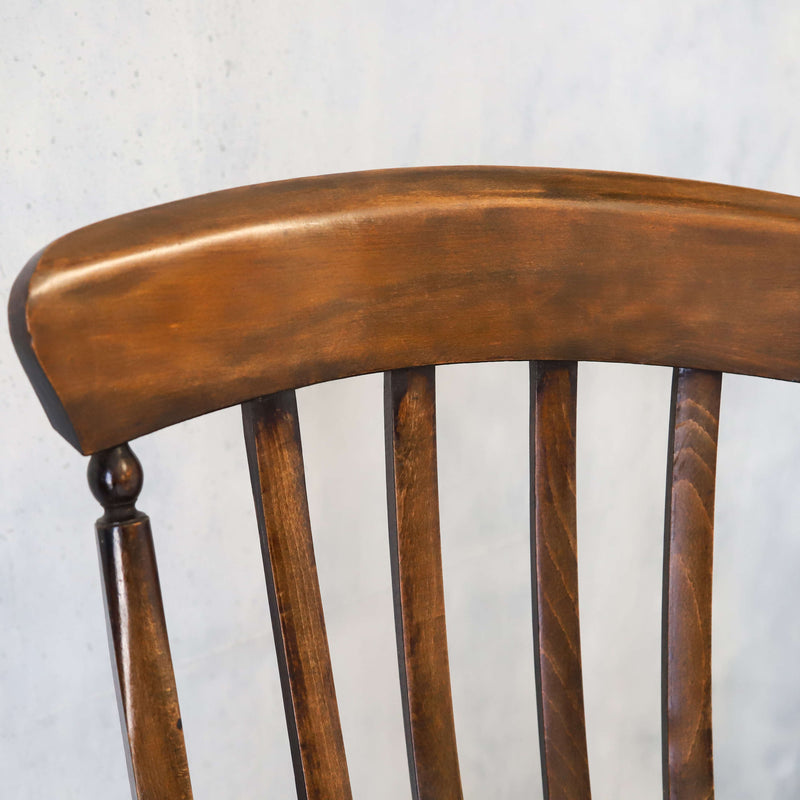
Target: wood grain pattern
148 699
688 770
557 647
151 318
275 456
254 290
413 499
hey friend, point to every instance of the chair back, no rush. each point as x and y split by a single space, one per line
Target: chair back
243 296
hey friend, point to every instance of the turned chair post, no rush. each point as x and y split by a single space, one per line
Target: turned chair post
137 632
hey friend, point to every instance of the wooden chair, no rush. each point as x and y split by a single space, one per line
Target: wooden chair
241 296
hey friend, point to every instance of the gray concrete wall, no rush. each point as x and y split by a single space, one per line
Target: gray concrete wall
111 107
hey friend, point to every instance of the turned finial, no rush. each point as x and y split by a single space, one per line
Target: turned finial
115 478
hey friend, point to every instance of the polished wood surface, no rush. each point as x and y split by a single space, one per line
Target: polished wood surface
148 699
413 500
554 552
275 456
254 290
688 554
154 317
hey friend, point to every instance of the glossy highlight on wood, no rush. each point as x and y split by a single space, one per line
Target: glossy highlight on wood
275 456
688 556
413 500
137 631
250 291
554 552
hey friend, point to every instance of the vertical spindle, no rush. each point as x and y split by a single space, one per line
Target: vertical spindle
137 631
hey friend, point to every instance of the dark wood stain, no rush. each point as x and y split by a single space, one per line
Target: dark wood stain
151 318
137 632
275 456
554 551
247 292
688 768
413 499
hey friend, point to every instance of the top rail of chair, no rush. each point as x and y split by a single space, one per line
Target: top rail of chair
156 316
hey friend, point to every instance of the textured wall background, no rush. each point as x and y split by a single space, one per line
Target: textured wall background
107 108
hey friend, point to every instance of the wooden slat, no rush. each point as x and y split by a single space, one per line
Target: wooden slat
557 649
688 771
148 699
275 457
412 487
